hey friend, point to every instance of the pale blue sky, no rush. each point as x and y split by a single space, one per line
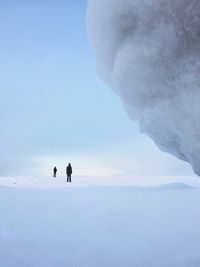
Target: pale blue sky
54 109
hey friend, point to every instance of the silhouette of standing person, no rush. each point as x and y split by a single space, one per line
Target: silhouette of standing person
69 172
54 172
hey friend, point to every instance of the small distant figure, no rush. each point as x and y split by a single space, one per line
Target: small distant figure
54 171
69 172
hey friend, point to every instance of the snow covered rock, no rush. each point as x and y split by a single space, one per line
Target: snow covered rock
149 52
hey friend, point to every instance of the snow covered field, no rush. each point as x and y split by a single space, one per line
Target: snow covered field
100 226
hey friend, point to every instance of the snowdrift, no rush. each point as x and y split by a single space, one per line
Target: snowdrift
100 226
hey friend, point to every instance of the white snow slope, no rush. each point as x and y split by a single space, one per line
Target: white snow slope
98 226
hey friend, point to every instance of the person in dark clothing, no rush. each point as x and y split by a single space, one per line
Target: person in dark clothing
54 172
69 172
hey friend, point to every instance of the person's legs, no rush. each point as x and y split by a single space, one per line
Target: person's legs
67 178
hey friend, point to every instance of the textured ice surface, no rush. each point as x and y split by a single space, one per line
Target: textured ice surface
148 51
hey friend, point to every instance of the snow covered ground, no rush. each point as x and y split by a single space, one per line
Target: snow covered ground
99 226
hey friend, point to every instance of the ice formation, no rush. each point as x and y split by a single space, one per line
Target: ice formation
148 51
